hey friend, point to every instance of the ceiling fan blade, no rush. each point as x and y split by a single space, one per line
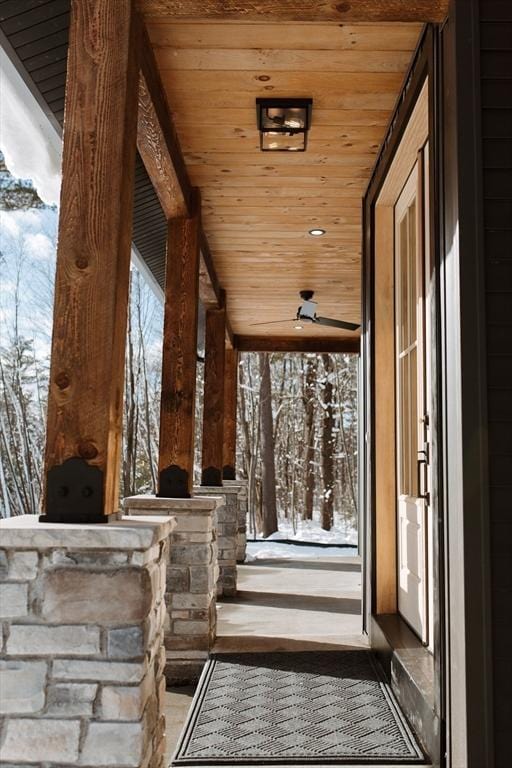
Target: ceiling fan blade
337 323
271 322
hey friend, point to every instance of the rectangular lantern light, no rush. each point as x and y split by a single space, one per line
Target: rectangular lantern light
283 124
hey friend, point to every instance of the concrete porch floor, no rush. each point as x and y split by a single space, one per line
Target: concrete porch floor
283 605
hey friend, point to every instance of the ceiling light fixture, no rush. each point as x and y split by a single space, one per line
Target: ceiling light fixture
317 232
283 124
299 327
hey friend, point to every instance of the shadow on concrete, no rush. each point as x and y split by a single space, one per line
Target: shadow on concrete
260 643
301 602
306 565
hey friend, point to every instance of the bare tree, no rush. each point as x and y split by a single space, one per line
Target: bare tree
309 434
327 446
268 492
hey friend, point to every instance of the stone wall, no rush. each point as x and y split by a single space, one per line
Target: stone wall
243 507
226 526
192 574
82 662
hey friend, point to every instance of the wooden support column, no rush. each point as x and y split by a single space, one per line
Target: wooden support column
176 454
230 403
213 407
85 404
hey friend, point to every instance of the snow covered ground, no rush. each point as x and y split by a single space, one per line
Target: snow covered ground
306 531
258 550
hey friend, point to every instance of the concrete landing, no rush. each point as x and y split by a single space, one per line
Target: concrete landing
286 605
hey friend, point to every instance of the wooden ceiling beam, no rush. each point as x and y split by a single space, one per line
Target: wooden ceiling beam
295 344
158 143
298 10
159 147
209 287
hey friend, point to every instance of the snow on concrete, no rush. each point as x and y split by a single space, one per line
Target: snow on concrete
310 531
270 550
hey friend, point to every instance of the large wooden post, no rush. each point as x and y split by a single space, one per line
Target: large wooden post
230 403
176 455
85 406
213 401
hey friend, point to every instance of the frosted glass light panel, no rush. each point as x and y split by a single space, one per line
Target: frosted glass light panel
283 124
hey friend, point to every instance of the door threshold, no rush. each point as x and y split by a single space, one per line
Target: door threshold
410 670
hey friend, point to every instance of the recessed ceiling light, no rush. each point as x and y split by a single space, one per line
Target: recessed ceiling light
298 327
317 232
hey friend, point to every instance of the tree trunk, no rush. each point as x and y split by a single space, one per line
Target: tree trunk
268 484
328 448
309 408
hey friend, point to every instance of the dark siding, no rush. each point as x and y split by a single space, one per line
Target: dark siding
496 83
37 31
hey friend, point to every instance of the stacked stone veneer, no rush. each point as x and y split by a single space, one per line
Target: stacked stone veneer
226 526
191 581
82 663
243 506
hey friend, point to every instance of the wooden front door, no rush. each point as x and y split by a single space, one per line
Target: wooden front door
411 417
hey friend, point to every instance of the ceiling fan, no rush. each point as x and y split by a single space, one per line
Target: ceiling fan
307 313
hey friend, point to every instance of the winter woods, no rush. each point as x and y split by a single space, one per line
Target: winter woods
297 413
297 423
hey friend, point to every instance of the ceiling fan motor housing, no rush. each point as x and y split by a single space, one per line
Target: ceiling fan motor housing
307 311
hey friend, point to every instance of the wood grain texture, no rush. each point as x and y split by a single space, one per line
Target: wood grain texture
315 37
229 174
385 467
213 399
230 412
161 153
275 59
321 133
158 142
243 117
250 144
415 135
258 207
299 10
354 90
177 412
209 288
85 402
363 161
295 344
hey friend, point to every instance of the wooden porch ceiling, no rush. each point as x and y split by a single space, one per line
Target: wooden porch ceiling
258 207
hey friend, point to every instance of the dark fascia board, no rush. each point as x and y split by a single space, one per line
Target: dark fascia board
29 82
295 344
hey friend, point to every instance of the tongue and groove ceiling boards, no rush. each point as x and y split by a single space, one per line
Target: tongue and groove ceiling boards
258 206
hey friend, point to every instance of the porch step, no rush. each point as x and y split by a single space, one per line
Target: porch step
410 667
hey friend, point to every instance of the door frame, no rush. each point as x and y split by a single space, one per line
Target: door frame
414 398
463 686
425 67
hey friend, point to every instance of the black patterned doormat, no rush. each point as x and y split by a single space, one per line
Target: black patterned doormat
312 708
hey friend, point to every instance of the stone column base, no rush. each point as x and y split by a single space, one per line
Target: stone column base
192 574
82 664
241 536
226 525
